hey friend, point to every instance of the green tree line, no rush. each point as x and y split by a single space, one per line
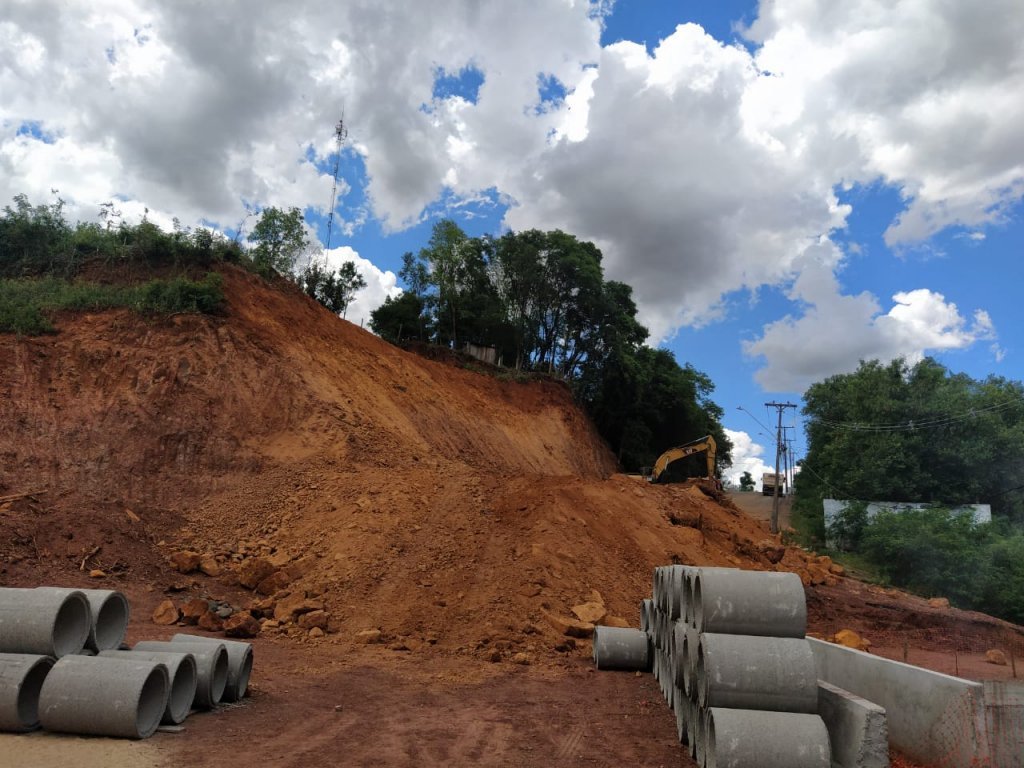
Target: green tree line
901 432
920 433
540 298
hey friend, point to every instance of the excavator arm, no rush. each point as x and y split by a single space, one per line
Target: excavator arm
706 443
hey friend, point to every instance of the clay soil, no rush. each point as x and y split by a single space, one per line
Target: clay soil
458 512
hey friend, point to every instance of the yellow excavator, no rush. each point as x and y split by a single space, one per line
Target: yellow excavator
706 443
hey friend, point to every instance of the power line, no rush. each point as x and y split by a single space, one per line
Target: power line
915 424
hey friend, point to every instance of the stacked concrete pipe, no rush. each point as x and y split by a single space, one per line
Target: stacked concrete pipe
731 658
98 696
109 612
240 660
95 688
44 623
21 680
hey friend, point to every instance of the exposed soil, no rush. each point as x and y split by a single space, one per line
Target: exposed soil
460 515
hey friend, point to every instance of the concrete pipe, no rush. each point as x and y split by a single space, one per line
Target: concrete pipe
621 648
770 673
675 591
689 572
681 709
656 588
690 641
679 654
110 613
21 680
44 623
692 713
645 614
104 697
181 667
737 738
211 667
701 755
734 602
240 658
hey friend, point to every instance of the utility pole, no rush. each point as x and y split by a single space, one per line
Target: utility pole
780 407
340 134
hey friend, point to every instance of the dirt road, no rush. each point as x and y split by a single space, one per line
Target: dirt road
322 707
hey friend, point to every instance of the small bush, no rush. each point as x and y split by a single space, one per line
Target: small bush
182 295
24 303
934 551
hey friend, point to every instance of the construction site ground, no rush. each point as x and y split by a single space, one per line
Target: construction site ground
447 518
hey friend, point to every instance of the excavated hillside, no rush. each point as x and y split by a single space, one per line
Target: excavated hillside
437 508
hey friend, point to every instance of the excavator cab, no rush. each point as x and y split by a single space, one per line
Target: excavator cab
706 443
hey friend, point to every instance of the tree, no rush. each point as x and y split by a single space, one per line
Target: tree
399 318
280 238
333 289
746 482
901 432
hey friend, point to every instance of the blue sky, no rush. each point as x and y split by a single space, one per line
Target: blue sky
788 188
965 270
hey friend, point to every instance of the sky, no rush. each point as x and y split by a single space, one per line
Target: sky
790 186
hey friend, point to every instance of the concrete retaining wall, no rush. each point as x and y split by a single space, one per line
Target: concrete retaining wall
933 718
1004 718
856 728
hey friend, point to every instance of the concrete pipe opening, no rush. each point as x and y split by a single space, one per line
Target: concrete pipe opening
761 603
151 703
211 659
691 727
645 615
240 660
110 619
108 611
697 680
675 592
738 737
99 696
757 673
43 622
21 680
71 617
688 574
702 740
681 709
184 679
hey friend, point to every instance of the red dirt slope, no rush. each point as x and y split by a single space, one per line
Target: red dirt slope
452 511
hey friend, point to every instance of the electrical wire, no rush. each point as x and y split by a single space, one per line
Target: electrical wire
915 424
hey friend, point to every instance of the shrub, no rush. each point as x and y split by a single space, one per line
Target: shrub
24 303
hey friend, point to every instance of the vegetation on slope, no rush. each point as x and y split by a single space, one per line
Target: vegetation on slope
541 300
43 258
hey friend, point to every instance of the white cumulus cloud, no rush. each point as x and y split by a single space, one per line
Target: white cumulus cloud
836 331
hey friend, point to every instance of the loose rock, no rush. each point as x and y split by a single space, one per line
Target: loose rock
185 561
995 656
241 624
253 571
166 613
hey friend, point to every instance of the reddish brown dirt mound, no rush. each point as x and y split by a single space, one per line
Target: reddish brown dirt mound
450 511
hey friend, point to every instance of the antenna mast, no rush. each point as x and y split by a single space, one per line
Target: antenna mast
340 134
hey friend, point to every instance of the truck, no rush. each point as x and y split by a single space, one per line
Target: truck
768 482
